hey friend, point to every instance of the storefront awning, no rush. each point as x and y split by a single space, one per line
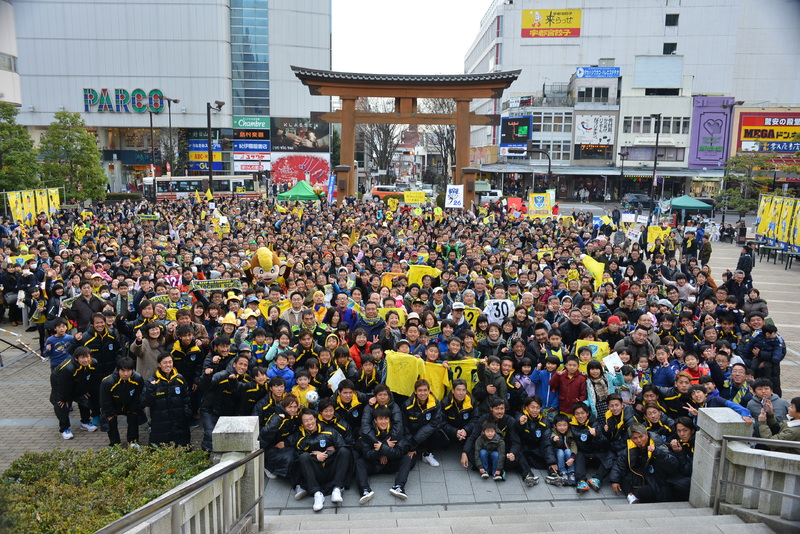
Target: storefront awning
638 172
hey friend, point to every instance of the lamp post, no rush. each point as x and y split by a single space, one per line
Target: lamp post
216 107
657 117
170 101
622 156
152 146
528 151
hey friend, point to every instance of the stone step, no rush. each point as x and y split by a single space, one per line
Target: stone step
564 516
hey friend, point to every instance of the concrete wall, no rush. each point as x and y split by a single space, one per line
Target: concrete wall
9 81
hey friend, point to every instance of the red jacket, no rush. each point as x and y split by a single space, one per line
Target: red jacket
570 390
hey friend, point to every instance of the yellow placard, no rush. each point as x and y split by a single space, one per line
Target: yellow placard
41 201
414 197
53 200
538 23
539 205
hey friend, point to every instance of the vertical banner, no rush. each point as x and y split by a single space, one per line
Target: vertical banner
15 204
54 201
331 187
28 207
41 201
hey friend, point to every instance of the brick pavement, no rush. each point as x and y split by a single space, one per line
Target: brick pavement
27 422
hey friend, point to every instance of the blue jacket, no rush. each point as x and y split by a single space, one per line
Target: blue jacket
286 373
665 376
542 380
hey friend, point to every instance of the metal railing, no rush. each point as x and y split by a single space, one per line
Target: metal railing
724 467
171 499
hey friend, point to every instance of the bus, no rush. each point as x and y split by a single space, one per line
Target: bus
175 187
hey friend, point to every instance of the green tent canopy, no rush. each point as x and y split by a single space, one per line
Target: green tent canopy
301 191
689 203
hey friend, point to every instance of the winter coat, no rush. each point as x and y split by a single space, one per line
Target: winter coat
757 305
635 468
103 346
534 437
146 357
71 380
170 408
420 422
119 396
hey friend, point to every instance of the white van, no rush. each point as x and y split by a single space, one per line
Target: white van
492 195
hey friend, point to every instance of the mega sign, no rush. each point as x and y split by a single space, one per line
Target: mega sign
123 101
769 132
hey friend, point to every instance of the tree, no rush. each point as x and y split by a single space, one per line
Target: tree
70 158
745 167
442 136
179 160
732 199
19 168
380 140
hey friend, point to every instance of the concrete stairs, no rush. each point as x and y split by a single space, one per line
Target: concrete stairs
598 516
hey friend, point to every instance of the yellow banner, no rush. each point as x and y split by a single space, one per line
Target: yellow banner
414 197
41 201
657 232
538 23
54 200
265 305
20 260
402 370
794 231
401 313
599 350
539 205
416 272
386 278
15 205
785 220
28 207
764 214
466 370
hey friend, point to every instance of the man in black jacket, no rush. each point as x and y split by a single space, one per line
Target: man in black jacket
75 380
84 307
381 452
505 427
320 464
119 395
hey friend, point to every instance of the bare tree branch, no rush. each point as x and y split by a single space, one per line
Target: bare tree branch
442 136
380 140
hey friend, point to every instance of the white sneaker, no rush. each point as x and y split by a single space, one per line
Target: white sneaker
366 496
269 474
632 499
319 501
299 492
336 496
67 434
430 460
134 446
89 427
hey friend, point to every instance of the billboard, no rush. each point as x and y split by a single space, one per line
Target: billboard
299 134
768 132
198 155
711 131
290 168
538 23
514 133
251 122
597 72
594 130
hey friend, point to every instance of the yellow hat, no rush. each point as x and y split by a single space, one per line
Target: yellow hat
230 318
233 296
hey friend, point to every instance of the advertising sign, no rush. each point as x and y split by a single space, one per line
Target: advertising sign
454 198
251 122
594 130
251 166
711 131
251 146
251 156
597 72
769 132
551 23
123 101
514 133
299 135
198 155
289 168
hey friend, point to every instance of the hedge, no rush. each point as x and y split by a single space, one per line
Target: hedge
121 197
82 491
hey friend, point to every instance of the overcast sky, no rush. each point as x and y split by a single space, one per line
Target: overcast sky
404 36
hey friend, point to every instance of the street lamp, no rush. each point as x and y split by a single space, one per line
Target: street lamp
170 101
530 150
623 156
152 146
216 107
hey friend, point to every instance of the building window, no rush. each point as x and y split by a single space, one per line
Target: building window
670 48
594 152
645 153
8 63
662 92
593 95
558 150
552 121
671 19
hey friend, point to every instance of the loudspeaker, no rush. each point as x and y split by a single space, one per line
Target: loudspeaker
471 186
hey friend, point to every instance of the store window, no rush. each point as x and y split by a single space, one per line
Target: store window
597 95
603 152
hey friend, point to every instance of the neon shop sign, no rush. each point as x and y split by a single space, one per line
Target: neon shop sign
123 101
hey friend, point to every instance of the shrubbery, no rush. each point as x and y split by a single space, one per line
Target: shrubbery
81 491
121 197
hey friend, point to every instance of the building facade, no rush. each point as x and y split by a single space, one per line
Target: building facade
615 63
167 63
9 76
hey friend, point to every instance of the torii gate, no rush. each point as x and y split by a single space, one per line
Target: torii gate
406 89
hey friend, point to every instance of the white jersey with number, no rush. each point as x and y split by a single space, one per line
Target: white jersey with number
497 310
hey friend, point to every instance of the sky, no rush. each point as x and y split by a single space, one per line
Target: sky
404 36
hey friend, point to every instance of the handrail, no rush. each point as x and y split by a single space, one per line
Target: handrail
723 467
138 515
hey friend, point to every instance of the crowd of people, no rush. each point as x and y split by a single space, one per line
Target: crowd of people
155 312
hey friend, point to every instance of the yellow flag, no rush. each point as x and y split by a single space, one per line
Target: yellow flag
280 208
599 350
402 370
353 236
386 278
264 305
657 232
54 200
595 267
416 272
401 314
41 201
437 377
15 205
196 195
209 196
466 370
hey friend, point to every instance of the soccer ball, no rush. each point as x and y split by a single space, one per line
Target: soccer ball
312 397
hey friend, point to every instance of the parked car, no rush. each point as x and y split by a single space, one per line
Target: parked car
380 191
631 200
492 195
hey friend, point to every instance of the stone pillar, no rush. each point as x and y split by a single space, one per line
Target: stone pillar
713 423
234 438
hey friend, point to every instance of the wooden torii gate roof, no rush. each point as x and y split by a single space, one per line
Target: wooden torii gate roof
406 89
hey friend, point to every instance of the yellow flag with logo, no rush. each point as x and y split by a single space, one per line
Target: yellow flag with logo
466 370
53 200
15 205
599 350
437 377
401 314
402 371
